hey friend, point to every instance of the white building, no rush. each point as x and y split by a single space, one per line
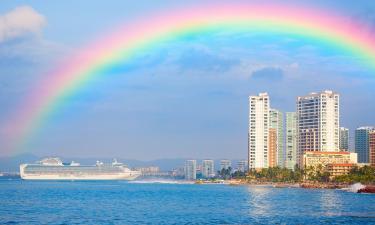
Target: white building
344 139
276 122
242 165
208 168
291 140
258 131
191 169
318 122
225 164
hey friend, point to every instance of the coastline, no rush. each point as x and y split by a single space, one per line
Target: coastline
305 184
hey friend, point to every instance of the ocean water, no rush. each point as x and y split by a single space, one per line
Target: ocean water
120 202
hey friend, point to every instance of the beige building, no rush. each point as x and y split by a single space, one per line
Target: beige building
338 169
272 147
324 158
371 144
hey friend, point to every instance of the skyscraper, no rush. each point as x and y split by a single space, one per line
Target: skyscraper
291 140
276 124
344 139
190 169
318 122
362 143
258 131
208 168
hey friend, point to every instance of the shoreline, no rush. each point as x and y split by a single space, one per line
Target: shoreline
305 184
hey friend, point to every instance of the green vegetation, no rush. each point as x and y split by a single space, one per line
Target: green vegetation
276 174
225 173
317 173
365 175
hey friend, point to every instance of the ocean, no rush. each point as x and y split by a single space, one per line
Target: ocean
120 202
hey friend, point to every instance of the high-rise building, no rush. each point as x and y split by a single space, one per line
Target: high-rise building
208 168
225 164
242 165
191 169
362 143
258 131
344 139
276 123
318 122
372 147
272 147
291 140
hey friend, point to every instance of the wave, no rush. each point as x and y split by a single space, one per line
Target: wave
355 187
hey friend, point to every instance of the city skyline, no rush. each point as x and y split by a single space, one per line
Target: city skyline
185 97
187 112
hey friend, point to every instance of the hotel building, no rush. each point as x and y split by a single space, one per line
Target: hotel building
317 123
276 125
258 131
362 143
291 140
315 158
190 169
344 139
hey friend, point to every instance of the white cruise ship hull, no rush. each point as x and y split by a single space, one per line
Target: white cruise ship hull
61 172
83 177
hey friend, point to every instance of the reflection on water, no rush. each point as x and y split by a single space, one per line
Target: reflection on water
330 202
259 200
155 203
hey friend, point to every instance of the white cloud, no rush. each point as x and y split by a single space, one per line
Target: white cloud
21 21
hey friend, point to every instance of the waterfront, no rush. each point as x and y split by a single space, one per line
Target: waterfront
119 202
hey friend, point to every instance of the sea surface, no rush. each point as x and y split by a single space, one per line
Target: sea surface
120 202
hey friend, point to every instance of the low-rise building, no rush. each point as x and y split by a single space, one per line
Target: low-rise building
149 171
315 158
338 169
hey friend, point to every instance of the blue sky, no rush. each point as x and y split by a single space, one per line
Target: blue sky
184 98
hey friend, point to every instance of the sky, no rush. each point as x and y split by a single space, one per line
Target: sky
185 98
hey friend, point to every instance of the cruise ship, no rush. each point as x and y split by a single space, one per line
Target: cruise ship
55 169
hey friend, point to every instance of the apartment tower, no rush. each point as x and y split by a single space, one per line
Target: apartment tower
344 139
190 170
276 124
208 168
291 140
371 143
362 142
318 123
258 131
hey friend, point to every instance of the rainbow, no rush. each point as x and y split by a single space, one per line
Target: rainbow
125 41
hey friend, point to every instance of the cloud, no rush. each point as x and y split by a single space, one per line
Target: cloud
268 73
20 22
204 59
